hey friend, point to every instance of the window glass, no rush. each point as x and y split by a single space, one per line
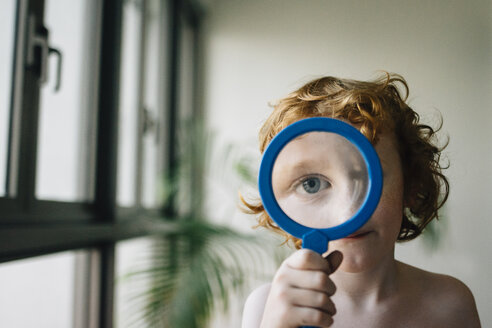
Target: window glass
7 26
131 256
66 117
129 104
154 100
38 292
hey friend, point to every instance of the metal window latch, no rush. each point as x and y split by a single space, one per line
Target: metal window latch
38 39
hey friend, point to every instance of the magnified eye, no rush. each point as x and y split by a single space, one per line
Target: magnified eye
312 185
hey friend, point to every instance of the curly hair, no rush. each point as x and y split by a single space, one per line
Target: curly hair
372 106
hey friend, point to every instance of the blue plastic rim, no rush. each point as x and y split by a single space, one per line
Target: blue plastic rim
320 124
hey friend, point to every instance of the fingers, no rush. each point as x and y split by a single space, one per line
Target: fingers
301 290
312 299
306 259
313 317
305 316
312 280
334 260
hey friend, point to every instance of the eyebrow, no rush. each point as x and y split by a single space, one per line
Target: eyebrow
298 165
292 171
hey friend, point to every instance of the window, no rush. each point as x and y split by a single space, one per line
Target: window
130 86
128 260
89 112
67 105
154 104
44 285
7 25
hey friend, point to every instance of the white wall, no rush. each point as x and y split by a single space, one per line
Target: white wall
259 50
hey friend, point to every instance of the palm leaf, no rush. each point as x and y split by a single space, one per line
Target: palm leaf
208 262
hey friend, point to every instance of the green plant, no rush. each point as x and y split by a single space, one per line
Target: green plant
193 271
194 266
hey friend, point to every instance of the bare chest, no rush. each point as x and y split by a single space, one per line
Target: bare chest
398 315
387 320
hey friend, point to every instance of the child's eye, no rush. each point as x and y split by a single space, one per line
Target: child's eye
312 185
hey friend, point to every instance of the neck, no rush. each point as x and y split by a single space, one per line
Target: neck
370 286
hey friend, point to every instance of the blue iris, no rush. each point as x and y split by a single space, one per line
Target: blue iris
311 185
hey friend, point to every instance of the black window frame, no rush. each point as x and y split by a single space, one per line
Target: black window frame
30 227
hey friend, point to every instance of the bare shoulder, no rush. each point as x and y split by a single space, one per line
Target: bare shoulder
254 306
448 300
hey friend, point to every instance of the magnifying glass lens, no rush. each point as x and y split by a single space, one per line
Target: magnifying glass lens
320 179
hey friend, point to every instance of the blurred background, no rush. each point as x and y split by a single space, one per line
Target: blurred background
128 126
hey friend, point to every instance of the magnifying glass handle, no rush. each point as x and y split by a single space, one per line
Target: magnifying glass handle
315 241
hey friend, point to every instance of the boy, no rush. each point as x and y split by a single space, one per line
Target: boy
372 288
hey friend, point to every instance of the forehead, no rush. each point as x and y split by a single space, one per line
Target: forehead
317 146
316 140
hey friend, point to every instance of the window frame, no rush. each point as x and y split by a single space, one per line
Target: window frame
31 227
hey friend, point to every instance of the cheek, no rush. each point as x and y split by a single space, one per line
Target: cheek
389 213
388 217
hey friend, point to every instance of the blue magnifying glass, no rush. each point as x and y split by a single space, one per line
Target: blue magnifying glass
320 179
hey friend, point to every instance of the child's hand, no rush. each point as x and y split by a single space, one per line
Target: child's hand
301 290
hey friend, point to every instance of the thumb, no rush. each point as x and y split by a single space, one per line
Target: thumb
334 260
